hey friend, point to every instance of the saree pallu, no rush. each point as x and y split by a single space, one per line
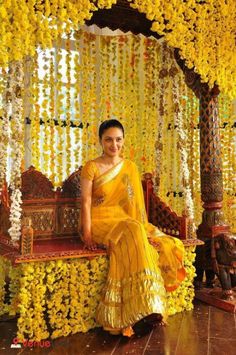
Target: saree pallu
138 275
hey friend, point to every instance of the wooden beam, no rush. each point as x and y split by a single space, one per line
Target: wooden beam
121 16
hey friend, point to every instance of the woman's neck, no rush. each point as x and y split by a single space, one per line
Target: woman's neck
111 160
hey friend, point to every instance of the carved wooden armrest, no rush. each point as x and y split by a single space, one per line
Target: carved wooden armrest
167 220
162 215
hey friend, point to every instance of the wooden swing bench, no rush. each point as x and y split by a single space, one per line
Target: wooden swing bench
54 236
54 217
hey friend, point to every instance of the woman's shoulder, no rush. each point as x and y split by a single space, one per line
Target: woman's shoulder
89 170
88 164
92 163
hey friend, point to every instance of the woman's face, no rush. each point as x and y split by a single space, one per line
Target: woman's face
112 141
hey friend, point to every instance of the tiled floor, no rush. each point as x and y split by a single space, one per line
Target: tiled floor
204 331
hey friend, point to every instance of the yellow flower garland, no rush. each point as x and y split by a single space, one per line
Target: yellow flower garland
204 31
25 24
67 292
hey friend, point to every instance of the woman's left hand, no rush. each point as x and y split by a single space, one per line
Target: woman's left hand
89 243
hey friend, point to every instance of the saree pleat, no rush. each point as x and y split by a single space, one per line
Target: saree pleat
138 275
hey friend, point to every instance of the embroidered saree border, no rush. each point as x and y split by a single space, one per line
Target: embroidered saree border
124 303
106 177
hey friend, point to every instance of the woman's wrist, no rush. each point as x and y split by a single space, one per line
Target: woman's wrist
88 241
87 235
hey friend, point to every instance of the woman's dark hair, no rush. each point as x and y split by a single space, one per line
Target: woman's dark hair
109 124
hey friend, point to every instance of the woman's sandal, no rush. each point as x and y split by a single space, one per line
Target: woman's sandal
142 328
154 319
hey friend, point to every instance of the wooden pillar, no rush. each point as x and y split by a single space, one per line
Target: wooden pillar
210 154
213 222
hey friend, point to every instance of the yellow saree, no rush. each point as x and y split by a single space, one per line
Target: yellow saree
138 275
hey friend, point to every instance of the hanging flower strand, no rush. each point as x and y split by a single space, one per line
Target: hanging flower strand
4 130
189 207
16 145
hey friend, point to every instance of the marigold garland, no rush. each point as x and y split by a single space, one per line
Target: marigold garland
68 292
35 113
77 86
204 31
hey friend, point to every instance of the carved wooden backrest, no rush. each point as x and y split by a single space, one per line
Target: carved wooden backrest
35 185
56 213
39 203
69 205
71 187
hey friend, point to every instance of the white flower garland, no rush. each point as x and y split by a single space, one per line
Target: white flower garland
189 206
4 132
15 215
16 145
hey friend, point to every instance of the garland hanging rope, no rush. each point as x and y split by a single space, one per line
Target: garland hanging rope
204 31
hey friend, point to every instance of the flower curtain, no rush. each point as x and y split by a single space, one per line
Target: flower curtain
86 79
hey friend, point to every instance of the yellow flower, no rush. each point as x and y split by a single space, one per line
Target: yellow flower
3 12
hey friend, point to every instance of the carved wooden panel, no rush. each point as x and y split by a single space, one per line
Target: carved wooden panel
43 220
163 217
68 220
210 148
35 185
4 220
210 132
212 186
71 187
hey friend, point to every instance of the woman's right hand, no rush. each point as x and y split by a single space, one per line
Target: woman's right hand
88 242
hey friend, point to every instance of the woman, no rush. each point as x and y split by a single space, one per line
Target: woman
113 214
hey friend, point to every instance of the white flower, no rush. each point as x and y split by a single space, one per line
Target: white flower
15 215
